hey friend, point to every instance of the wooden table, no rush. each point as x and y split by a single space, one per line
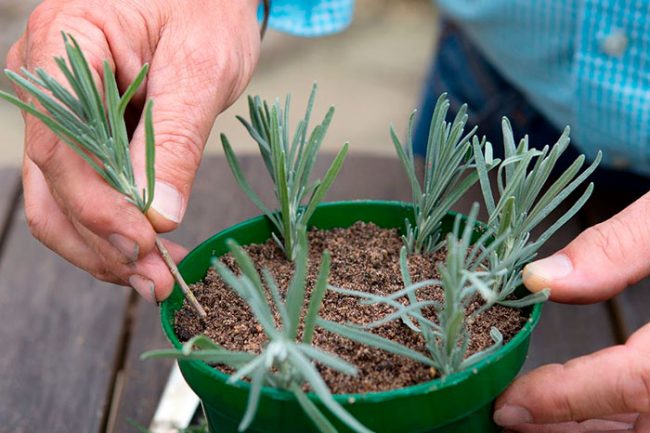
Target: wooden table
70 345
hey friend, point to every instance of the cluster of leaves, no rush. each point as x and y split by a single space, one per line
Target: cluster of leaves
290 163
448 174
286 361
490 266
524 200
76 114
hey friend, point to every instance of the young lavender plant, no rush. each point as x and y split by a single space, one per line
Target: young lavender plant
462 278
95 131
286 361
447 174
524 200
289 162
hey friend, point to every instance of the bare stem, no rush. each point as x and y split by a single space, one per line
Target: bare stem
179 278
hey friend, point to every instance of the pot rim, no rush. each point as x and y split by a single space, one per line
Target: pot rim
421 388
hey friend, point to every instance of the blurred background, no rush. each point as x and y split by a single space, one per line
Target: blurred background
371 73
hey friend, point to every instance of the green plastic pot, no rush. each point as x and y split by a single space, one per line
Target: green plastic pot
460 403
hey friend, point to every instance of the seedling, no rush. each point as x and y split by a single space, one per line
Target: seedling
448 174
95 130
289 163
520 206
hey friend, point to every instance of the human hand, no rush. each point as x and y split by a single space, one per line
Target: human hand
201 56
606 391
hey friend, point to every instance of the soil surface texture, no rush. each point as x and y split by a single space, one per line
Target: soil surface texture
364 257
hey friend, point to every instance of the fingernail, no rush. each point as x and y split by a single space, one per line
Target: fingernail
144 287
168 202
509 416
125 246
548 269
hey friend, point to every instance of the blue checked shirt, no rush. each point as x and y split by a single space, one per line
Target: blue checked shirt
585 63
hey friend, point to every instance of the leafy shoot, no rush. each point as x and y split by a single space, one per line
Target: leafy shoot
290 163
95 130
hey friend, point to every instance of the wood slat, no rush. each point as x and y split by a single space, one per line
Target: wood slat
60 332
9 190
633 307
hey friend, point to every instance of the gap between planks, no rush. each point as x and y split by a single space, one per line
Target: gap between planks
114 394
15 193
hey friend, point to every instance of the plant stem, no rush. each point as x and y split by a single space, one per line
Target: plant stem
179 278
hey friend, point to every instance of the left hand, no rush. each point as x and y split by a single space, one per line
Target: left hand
607 391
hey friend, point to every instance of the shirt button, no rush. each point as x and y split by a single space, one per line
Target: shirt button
615 44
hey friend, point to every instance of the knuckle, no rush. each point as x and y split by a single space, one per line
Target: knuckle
182 150
14 57
103 273
607 238
93 213
39 18
41 147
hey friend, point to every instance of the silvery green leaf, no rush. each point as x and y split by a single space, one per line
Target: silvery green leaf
319 387
247 369
327 359
257 380
373 340
533 298
312 411
316 300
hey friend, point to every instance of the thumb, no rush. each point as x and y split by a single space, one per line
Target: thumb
613 381
189 89
182 122
600 262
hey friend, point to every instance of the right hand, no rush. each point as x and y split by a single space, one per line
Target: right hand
608 390
201 56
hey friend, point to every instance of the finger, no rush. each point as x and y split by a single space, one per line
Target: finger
612 381
191 81
50 226
589 426
81 193
600 262
154 269
148 276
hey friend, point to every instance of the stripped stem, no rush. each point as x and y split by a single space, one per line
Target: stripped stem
179 278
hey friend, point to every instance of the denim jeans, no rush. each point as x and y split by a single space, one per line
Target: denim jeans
460 70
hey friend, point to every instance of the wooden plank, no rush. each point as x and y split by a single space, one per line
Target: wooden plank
60 331
631 307
9 192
